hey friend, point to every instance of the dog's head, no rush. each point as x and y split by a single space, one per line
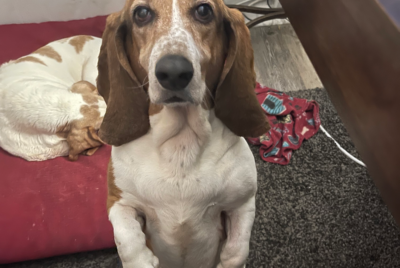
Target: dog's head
177 52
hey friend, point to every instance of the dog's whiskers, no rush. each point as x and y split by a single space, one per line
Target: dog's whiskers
143 84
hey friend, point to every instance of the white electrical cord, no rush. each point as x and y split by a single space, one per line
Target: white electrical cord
341 149
254 2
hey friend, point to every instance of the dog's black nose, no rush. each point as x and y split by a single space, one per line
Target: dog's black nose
174 72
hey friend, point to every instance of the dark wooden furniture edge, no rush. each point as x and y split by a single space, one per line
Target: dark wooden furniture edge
355 49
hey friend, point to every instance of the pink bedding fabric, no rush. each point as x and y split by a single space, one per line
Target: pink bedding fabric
53 207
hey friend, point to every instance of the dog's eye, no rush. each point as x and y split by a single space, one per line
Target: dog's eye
142 15
204 13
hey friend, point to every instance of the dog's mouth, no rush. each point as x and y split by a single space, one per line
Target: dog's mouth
174 99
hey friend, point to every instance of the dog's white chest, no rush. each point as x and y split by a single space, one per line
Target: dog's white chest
182 205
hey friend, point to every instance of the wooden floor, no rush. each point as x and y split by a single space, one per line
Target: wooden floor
280 60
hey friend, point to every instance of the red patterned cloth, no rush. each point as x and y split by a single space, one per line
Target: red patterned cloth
292 120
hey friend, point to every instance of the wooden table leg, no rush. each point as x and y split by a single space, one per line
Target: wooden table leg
355 49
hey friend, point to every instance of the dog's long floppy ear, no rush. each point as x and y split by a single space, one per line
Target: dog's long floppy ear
236 103
126 116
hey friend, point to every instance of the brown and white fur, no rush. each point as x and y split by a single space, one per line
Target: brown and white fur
49 106
182 180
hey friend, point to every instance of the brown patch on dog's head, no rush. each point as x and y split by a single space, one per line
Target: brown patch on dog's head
90 98
78 42
83 87
88 91
30 59
49 52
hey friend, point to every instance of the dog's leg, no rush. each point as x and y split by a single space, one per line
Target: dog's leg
130 239
239 223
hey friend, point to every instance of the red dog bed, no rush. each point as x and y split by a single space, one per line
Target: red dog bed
53 207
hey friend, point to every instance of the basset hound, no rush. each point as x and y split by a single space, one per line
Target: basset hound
49 106
178 80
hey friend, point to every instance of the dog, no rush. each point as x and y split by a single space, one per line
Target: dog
49 106
178 79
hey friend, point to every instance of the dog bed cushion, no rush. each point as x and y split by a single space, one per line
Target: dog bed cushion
53 207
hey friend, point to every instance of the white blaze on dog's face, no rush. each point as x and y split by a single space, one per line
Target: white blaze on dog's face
181 46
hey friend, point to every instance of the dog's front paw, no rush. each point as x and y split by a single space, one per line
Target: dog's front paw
146 259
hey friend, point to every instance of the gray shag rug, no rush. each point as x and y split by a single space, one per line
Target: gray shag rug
321 210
